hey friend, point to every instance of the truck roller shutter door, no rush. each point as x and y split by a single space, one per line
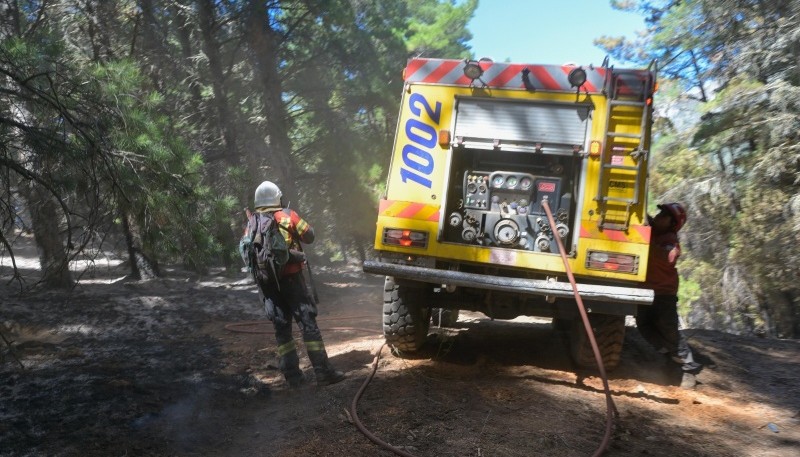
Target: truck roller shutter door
520 126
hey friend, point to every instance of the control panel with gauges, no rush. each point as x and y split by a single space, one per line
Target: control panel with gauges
503 208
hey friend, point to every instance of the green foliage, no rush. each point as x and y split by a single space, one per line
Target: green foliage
161 114
675 164
342 79
737 166
155 176
689 293
438 28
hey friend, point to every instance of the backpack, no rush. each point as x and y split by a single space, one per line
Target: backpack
267 253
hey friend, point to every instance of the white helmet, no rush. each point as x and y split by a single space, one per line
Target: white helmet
267 195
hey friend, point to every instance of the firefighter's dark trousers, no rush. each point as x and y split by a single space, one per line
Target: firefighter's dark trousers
292 302
658 324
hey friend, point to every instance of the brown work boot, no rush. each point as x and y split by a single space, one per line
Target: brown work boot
329 376
323 370
289 364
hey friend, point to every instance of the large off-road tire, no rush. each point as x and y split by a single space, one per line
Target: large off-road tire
405 320
444 317
609 331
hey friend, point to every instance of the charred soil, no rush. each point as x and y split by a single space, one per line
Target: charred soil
185 366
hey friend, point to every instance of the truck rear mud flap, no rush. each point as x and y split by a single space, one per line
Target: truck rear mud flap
590 292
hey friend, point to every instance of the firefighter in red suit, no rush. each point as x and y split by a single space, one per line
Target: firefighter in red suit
292 301
658 323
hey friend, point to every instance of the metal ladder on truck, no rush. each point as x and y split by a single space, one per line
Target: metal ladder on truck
626 91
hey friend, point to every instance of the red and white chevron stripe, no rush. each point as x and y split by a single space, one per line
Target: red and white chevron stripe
509 76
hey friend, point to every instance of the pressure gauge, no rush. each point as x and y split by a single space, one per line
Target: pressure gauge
525 183
511 182
498 181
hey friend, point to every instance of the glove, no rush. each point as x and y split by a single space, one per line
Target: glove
269 309
673 255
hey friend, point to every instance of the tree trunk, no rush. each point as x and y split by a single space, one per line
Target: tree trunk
101 24
187 54
225 121
153 50
263 42
142 266
780 305
46 222
360 243
225 118
9 20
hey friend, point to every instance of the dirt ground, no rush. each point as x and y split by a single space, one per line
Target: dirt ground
184 366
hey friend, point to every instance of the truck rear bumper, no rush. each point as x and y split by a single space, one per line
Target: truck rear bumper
591 292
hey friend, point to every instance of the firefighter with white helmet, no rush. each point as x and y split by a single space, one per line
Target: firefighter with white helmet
291 301
658 323
268 195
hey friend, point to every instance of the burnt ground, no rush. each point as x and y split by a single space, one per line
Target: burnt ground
184 366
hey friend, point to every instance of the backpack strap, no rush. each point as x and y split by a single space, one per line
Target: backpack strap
252 225
260 221
288 214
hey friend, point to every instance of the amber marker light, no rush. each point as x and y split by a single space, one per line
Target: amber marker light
594 149
444 138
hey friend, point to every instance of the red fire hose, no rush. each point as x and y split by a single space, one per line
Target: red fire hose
354 410
611 409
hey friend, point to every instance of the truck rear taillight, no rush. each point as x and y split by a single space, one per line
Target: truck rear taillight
402 237
612 261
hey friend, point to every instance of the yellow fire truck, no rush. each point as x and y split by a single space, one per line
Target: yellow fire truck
479 147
